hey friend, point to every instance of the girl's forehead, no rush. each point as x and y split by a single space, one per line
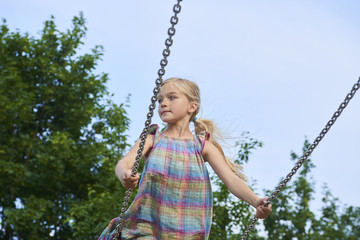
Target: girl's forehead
169 88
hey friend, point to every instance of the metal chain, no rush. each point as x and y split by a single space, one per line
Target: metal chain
166 53
322 134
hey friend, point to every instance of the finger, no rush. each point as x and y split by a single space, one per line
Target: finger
263 215
133 185
128 175
133 179
260 215
136 176
130 185
267 208
135 182
261 201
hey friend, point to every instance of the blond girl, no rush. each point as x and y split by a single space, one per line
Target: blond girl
174 200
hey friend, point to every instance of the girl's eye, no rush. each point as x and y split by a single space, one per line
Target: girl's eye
160 101
172 97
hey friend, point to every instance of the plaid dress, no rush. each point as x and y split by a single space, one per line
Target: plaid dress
174 200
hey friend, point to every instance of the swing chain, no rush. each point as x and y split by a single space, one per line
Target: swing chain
166 53
293 171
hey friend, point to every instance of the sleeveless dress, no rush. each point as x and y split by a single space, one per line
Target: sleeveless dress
174 200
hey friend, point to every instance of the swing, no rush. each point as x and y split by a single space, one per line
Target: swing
166 53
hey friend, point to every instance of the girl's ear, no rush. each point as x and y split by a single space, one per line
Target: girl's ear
193 107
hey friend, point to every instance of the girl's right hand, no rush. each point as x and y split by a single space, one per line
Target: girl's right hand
129 181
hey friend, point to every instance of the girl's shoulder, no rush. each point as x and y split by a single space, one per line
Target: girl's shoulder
203 138
153 128
150 138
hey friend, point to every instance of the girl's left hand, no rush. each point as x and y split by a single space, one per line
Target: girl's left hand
261 211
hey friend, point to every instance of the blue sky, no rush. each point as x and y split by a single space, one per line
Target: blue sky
278 69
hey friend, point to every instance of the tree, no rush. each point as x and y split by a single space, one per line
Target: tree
291 208
60 137
230 214
292 217
336 222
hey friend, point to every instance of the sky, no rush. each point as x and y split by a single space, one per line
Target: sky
278 69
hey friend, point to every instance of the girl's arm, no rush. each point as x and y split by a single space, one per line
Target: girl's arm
123 167
236 185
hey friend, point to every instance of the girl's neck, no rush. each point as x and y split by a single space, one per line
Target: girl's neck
177 131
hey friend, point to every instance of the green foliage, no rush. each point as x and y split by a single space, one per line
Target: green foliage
336 222
291 208
230 215
60 137
293 219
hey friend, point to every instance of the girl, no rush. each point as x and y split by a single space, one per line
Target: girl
174 199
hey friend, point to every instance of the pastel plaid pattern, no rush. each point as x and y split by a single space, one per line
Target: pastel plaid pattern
174 200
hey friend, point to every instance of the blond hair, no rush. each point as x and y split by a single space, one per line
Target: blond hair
192 92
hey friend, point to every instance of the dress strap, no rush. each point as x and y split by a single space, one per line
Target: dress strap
202 137
153 130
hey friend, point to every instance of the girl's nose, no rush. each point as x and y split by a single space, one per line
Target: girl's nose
163 103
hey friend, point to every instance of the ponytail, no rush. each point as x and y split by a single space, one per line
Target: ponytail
205 125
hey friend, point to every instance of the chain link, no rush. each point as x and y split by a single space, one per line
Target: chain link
317 140
166 53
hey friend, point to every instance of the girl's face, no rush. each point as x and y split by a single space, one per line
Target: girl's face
173 105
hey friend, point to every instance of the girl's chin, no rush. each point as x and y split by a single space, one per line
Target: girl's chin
163 118
166 120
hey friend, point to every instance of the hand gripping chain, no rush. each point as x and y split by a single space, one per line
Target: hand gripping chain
166 53
306 155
